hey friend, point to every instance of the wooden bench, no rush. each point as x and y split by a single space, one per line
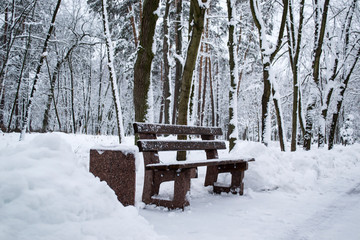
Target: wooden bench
182 171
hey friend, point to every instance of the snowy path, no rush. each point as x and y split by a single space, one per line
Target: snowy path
333 213
338 220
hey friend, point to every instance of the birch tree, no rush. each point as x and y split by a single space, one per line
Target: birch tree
112 72
234 74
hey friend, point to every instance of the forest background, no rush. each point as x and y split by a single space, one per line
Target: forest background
283 71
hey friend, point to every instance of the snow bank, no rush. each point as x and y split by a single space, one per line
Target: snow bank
46 193
294 171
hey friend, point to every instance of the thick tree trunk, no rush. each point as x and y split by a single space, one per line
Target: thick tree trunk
319 39
198 27
192 52
144 59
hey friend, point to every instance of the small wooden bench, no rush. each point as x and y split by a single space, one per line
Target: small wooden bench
182 171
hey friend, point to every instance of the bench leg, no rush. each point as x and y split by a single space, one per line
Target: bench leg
148 191
152 181
181 188
211 175
237 186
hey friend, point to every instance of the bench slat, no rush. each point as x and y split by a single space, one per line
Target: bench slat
178 145
193 164
175 129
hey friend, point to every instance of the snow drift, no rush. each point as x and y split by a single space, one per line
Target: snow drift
45 194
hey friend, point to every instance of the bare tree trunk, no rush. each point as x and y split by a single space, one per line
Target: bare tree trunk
234 75
319 39
166 88
203 104
144 59
16 100
38 69
197 29
112 72
211 95
74 128
340 99
50 94
133 25
100 103
294 53
267 61
200 85
179 66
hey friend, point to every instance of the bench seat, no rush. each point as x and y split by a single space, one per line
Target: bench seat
196 163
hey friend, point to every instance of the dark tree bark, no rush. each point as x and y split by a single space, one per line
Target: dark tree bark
319 39
198 14
294 43
199 99
166 66
144 59
179 66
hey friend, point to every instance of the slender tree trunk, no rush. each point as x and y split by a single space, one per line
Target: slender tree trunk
133 25
112 72
178 62
38 69
203 103
100 103
73 118
211 95
166 88
294 53
234 75
199 99
144 59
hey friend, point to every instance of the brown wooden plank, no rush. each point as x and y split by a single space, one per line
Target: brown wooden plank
192 164
175 145
175 129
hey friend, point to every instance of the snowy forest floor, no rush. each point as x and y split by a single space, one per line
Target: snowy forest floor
46 192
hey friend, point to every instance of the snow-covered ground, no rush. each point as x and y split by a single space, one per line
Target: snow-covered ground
47 192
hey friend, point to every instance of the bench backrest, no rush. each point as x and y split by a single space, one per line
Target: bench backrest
149 145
